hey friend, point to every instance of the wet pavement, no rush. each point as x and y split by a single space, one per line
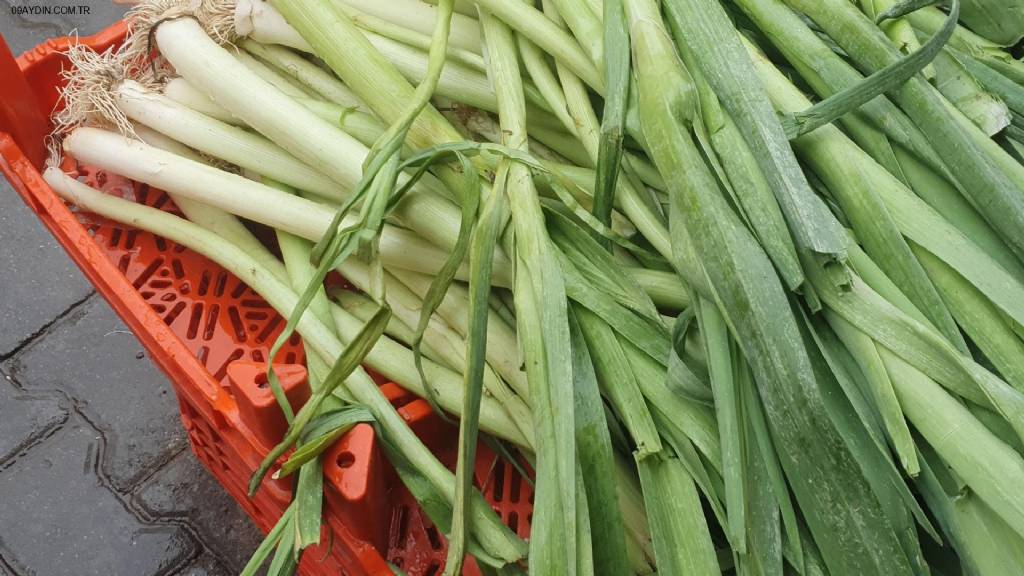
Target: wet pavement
96 477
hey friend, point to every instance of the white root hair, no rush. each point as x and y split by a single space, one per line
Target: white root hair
92 78
88 94
217 18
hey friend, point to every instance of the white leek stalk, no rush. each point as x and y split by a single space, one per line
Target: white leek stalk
214 71
305 73
360 125
395 362
407 306
502 343
416 16
363 307
229 143
260 21
458 82
469 57
465 7
273 77
237 195
179 90
222 223
461 80
217 140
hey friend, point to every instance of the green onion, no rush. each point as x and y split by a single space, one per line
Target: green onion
996 193
681 541
722 371
899 30
321 433
986 51
291 126
595 455
236 194
223 223
468 54
727 328
582 21
309 75
618 383
957 84
740 173
725 64
827 74
752 299
868 358
915 221
542 316
613 122
220 140
414 15
1000 22
530 22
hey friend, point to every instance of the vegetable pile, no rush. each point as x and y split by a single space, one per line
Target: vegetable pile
740 282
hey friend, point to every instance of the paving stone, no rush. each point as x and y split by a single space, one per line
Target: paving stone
39 281
57 513
206 565
26 418
59 518
184 488
23 31
92 357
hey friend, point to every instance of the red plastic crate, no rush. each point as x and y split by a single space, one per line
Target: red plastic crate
210 334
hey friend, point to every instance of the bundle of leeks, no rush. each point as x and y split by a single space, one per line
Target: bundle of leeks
729 328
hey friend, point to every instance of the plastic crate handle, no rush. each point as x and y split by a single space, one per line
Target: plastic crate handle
20 115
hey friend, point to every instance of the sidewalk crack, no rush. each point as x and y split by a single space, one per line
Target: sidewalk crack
44 329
